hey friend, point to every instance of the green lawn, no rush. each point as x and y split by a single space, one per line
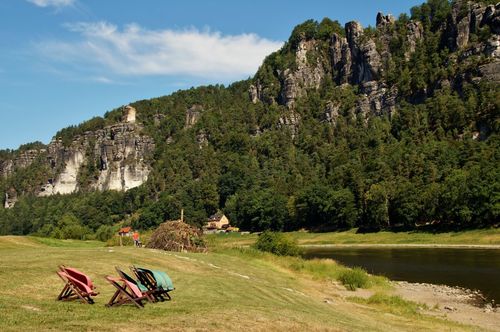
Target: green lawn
227 289
474 237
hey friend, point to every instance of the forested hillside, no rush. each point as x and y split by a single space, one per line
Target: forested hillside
387 127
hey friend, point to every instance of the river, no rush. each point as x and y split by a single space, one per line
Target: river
469 268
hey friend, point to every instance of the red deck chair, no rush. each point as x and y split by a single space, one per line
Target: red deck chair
74 288
126 293
80 276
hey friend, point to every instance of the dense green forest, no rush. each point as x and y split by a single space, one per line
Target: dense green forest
433 164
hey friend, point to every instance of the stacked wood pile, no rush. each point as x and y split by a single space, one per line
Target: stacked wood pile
177 236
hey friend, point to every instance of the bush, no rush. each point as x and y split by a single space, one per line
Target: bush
278 244
304 31
69 227
105 232
354 278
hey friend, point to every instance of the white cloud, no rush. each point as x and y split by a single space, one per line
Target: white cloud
136 51
103 79
52 3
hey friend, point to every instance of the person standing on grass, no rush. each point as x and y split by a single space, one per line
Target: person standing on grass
135 236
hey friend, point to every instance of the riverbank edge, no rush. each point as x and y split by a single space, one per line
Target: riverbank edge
458 304
403 245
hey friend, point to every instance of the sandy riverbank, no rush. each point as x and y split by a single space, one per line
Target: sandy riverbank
453 303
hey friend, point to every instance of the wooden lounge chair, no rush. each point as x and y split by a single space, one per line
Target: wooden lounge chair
77 285
126 293
144 290
157 282
82 277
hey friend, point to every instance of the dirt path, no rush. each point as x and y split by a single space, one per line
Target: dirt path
457 304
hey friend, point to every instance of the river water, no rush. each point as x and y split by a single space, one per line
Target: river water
469 268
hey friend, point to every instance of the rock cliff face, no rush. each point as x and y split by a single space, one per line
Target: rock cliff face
308 75
353 59
118 157
22 160
10 198
360 59
119 152
123 157
467 19
193 114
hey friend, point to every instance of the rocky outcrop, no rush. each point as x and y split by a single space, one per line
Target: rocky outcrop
415 33
491 71
202 138
129 114
6 168
120 152
384 20
468 18
255 93
193 114
10 198
492 47
308 75
366 61
290 120
332 112
21 159
340 55
377 99
359 58
66 181
353 59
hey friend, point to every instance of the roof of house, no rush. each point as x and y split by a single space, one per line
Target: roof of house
216 217
125 230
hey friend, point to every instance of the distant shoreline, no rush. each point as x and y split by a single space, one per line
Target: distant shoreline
404 245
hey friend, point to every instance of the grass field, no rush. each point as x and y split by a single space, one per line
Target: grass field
474 237
228 289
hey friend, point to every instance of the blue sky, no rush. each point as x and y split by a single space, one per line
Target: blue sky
65 61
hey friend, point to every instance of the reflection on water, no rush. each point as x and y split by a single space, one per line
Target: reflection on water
470 268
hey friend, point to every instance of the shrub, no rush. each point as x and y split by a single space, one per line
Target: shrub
278 244
45 231
69 227
354 278
303 31
105 232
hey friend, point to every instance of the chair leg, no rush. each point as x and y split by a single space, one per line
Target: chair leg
122 296
78 294
113 298
64 292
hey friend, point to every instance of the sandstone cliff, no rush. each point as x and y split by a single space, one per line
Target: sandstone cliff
360 57
117 157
